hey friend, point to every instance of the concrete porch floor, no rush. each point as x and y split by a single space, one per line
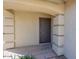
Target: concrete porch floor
42 51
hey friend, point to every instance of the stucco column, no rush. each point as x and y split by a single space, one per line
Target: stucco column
57 34
8 29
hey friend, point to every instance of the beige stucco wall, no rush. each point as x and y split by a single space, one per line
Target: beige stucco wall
27 28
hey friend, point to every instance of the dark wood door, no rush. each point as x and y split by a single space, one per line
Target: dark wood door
45 30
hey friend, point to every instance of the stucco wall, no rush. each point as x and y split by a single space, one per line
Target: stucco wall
27 28
70 32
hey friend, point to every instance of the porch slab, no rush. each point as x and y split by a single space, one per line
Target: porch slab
42 51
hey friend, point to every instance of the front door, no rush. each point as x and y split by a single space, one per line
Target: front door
45 30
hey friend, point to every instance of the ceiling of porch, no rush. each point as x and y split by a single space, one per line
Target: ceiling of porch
51 7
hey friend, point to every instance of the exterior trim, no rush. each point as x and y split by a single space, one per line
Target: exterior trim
58 25
58 35
8 17
58 45
8 33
